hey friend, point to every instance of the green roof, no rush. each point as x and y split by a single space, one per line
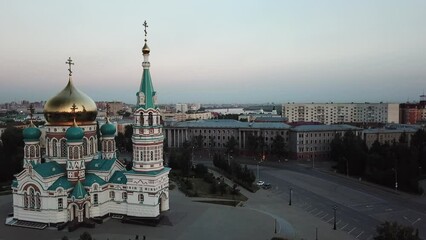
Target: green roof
79 192
150 173
91 179
49 169
60 182
147 88
118 177
100 164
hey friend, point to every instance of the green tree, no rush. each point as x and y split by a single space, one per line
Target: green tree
231 144
395 231
11 153
198 141
278 146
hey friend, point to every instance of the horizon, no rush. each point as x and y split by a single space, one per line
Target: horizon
240 52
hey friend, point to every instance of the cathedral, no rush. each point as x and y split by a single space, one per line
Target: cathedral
78 182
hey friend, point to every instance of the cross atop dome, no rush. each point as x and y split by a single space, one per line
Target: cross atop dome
145 25
69 62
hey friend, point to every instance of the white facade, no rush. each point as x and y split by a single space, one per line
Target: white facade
332 113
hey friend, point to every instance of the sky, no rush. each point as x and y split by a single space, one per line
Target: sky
222 51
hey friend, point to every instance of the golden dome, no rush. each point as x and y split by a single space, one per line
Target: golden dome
145 49
59 110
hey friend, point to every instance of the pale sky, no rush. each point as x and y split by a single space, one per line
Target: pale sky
220 51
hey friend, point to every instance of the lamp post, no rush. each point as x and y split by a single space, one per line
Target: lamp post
396 178
334 224
291 193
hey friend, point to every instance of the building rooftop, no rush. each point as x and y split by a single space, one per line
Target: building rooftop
229 123
339 127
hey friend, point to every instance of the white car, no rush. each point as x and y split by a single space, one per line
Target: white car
260 183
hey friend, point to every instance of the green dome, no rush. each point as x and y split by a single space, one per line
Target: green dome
74 133
108 129
31 133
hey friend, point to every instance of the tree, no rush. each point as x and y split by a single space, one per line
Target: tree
85 236
231 144
198 141
395 231
11 153
278 146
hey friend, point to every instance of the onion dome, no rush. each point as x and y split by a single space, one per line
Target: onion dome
31 133
145 49
74 133
70 102
108 129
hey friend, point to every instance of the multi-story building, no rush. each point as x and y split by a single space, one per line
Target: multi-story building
313 141
181 107
216 133
332 113
389 134
412 113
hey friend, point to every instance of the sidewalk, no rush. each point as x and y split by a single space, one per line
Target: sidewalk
292 222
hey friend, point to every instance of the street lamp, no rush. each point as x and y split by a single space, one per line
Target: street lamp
396 178
291 193
334 224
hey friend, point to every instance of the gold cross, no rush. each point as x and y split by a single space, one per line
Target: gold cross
145 25
69 62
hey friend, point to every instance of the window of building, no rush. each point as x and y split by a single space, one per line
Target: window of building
32 200
112 194
124 196
38 201
25 200
95 199
140 198
150 119
60 204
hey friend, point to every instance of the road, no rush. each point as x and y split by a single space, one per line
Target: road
361 207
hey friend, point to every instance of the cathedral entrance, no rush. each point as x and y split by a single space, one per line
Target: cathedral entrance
163 202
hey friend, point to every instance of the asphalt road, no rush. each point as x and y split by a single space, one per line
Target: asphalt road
360 207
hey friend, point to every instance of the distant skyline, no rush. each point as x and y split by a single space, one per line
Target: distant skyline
216 51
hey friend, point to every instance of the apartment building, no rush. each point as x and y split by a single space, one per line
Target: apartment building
333 113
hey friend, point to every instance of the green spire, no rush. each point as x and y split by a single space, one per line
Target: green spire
147 100
147 89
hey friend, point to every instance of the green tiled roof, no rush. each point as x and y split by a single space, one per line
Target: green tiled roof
79 192
150 173
147 88
49 169
60 182
100 164
91 179
118 177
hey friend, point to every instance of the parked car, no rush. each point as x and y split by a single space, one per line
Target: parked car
260 183
266 186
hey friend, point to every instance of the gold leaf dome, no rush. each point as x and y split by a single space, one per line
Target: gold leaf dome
145 49
59 109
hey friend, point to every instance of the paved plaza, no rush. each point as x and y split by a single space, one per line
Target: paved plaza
258 218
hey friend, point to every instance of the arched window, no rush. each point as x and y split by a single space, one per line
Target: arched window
32 151
38 201
63 148
110 147
54 148
140 198
150 120
48 146
95 199
75 152
32 198
37 148
85 152
112 194
91 146
124 195
141 120
25 200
